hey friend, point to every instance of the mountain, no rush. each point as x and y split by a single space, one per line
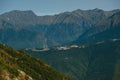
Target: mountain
90 50
104 30
18 65
98 61
24 29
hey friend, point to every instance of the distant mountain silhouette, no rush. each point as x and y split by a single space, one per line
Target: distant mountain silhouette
105 29
24 29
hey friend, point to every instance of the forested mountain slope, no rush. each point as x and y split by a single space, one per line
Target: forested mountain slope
98 61
24 29
17 65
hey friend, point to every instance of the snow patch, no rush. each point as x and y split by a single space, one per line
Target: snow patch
100 42
74 46
115 40
63 48
37 50
82 46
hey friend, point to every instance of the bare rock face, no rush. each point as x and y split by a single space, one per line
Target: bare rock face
7 76
23 76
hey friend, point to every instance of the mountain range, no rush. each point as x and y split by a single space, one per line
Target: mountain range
24 29
81 44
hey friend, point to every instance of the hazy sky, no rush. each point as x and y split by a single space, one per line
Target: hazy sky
47 7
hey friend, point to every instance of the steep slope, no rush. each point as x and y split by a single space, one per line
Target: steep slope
17 65
99 61
24 29
105 29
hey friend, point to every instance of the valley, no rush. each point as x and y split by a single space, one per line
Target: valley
72 45
98 61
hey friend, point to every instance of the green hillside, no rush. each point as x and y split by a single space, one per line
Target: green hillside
99 61
21 66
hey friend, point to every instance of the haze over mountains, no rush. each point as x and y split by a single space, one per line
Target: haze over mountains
24 29
83 44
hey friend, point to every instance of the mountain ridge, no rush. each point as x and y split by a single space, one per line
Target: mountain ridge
104 30
38 31
18 65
